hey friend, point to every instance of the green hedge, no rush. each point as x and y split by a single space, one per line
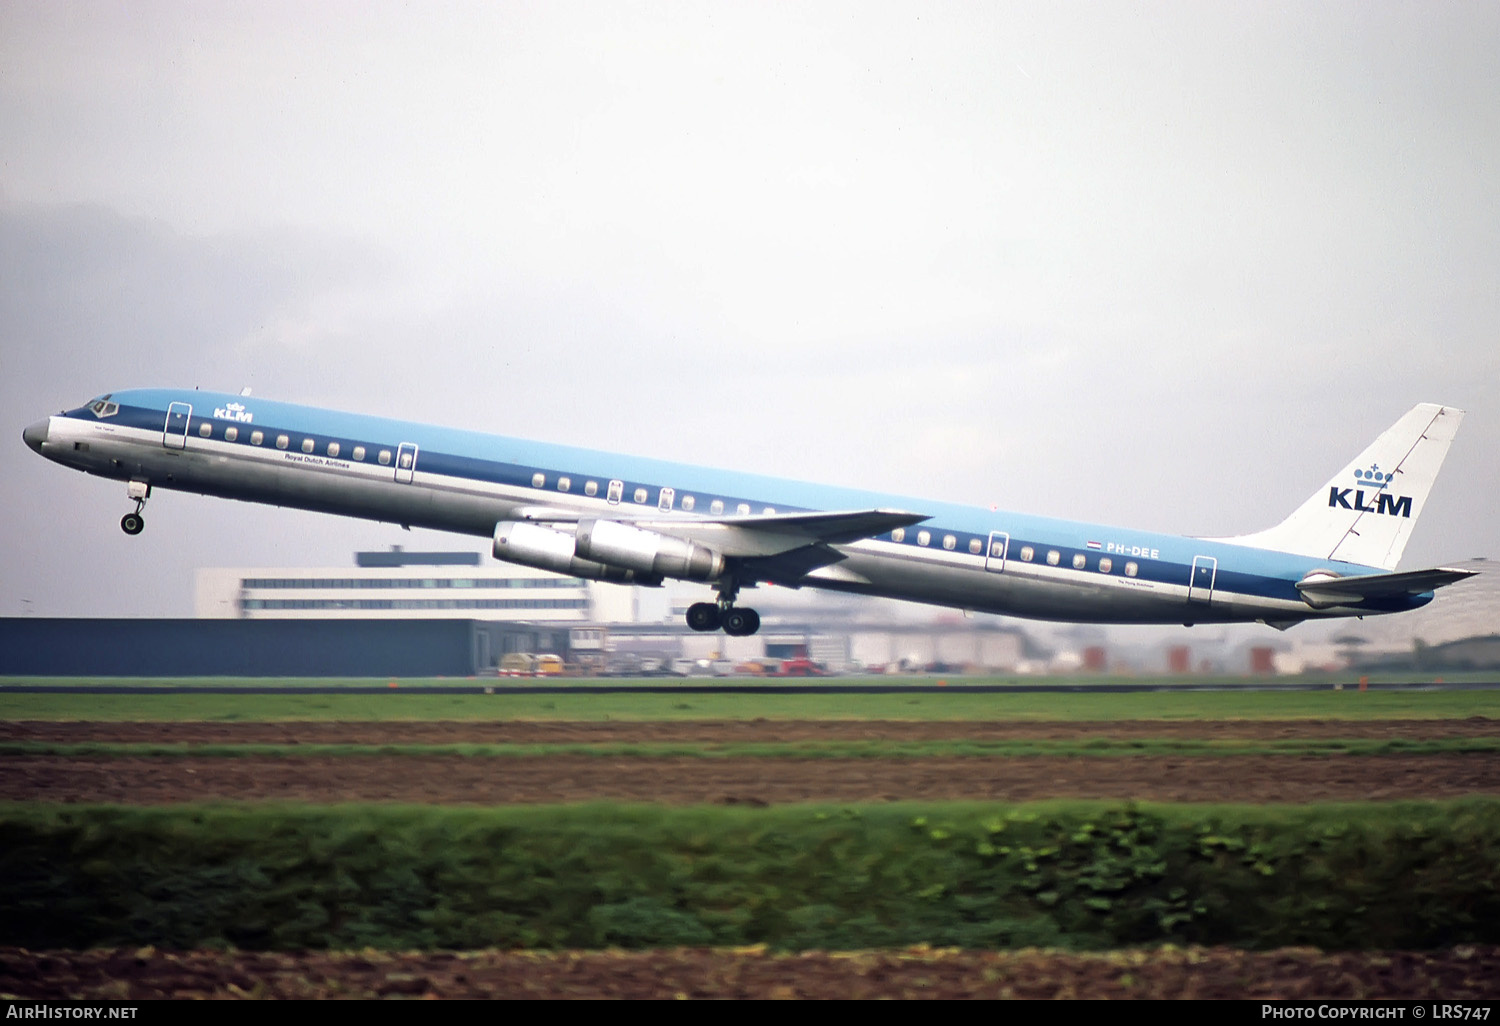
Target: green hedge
1075 875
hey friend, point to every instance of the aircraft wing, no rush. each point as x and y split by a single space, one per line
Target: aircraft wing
1343 590
773 534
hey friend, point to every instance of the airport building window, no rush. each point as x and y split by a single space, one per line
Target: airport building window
640 495
1053 556
1079 561
538 480
924 537
898 535
256 437
231 433
564 484
385 457
976 546
1131 569
716 507
307 445
616 489
743 509
1027 553
205 429
281 441
949 541
1106 565
333 449
688 502
359 453
591 488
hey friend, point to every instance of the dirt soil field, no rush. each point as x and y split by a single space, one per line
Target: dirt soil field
459 780
1458 974
1289 974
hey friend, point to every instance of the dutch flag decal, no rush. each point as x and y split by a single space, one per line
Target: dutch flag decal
1095 545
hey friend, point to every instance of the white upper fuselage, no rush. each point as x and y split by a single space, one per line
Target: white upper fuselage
419 475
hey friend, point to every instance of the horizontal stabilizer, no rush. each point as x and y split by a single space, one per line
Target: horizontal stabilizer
1333 591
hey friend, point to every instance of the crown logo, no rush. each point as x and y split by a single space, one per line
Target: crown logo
236 407
1373 476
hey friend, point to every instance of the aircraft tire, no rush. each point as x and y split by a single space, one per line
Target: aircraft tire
703 616
132 523
740 623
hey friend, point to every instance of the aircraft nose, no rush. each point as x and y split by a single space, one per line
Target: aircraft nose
36 434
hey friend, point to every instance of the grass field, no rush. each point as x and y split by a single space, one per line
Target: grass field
947 703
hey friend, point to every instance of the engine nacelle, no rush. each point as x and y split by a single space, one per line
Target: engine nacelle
545 549
647 552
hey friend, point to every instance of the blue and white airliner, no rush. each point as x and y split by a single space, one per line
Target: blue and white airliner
607 517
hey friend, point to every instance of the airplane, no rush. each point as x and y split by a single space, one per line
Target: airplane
623 519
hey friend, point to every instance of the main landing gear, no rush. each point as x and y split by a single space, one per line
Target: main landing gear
710 616
134 523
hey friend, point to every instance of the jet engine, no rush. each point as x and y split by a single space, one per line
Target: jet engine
646 552
546 549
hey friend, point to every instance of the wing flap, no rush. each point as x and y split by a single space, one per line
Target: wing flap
772 534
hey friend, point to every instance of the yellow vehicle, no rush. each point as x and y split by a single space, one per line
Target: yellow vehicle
518 664
550 666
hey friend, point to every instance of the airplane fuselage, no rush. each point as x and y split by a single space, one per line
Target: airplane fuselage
419 475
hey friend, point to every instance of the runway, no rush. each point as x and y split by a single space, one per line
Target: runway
506 686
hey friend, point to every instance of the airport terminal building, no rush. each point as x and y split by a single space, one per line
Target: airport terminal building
402 585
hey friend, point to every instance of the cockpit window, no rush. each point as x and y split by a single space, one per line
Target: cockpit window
102 407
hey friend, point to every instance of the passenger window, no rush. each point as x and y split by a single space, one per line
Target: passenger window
538 480
1131 569
976 546
385 457
616 489
949 541
1079 561
1106 565
1053 556
665 500
333 449
640 495
406 461
688 502
769 511
256 437
307 445
716 507
898 535
1027 553
743 509
281 441
591 489
997 550
564 484
205 429
231 433
359 453
924 537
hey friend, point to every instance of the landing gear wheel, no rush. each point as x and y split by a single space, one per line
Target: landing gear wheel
703 616
739 623
132 523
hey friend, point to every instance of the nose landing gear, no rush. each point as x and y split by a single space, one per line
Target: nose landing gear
134 523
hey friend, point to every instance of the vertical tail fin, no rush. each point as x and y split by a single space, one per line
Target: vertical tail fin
1366 513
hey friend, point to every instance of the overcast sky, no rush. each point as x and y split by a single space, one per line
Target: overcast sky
1159 265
